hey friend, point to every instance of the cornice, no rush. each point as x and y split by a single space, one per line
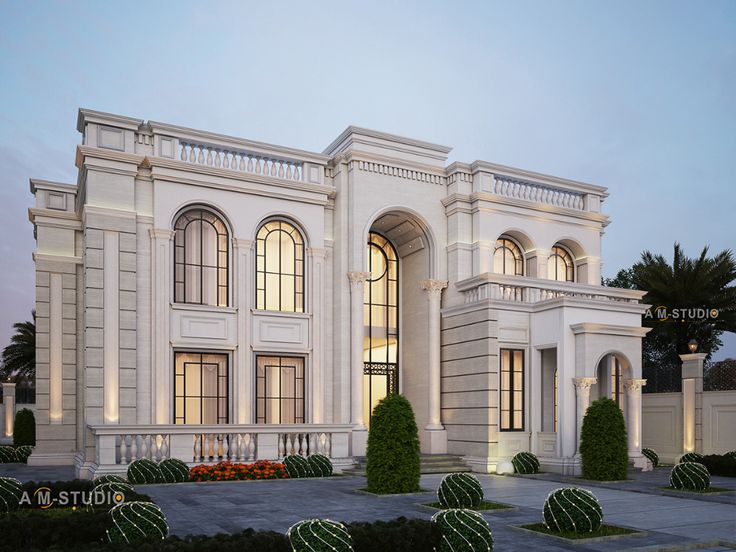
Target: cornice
91 116
609 329
39 184
355 131
478 198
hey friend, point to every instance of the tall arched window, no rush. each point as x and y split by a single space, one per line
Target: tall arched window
507 257
381 321
560 266
279 267
201 259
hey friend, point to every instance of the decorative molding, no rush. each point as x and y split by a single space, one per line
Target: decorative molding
634 384
584 383
609 329
358 278
433 286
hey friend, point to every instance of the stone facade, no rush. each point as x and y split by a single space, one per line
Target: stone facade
479 328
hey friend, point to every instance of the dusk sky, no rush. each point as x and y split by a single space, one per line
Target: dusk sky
636 96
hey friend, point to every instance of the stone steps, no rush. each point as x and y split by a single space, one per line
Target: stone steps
429 463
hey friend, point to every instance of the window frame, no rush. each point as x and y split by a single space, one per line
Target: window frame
566 256
518 262
258 272
511 390
201 363
280 356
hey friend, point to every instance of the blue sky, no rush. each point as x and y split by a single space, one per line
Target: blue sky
636 96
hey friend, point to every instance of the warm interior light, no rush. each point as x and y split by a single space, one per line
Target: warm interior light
692 345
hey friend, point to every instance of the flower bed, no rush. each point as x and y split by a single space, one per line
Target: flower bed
232 471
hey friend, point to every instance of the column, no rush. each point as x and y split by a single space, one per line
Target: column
161 366
243 293
582 395
692 402
316 306
536 263
9 405
633 421
111 328
357 292
436 434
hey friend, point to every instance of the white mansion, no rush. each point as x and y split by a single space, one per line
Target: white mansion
207 297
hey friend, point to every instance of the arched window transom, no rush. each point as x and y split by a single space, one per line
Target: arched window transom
507 257
279 267
560 266
201 259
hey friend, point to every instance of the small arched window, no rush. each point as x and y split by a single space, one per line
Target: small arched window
560 266
279 267
507 257
201 259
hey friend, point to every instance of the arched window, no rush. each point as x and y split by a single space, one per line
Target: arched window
560 266
201 259
279 267
507 258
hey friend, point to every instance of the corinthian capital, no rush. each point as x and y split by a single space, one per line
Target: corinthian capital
634 384
584 383
433 286
358 278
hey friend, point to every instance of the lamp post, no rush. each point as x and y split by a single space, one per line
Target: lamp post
692 390
693 346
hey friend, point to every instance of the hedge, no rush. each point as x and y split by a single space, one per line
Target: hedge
24 428
603 446
720 464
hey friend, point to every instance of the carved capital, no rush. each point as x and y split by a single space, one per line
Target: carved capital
433 286
584 383
243 244
358 278
317 253
161 233
634 384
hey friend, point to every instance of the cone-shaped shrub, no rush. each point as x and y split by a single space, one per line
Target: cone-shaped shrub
460 490
8 455
603 445
392 459
109 478
652 456
691 457
320 465
572 510
174 470
11 491
525 462
24 428
135 522
690 476
297 466
319 535
463 531
143 472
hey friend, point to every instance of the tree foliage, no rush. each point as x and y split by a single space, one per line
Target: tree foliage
19 358
603 446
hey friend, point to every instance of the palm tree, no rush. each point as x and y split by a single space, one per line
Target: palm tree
19 358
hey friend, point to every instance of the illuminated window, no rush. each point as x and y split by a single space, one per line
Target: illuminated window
200 259
617 382
279 390
512 390
560 266
381 321
507 257
200 388
279 267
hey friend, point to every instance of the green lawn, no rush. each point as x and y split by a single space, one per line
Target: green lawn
604 531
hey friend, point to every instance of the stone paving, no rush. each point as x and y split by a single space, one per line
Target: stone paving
671 523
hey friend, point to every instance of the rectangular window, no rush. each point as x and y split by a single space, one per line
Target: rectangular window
279 390
200 388
512 390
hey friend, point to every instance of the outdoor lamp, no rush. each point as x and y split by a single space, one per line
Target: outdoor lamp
692 345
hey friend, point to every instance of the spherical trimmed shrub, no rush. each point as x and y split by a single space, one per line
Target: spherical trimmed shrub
320 465
690 476
460 490
463 531
297 466
134 522
731 453
651 456
24 428
115 491
109 478
11 491
319 535
525 462
8 455
392 458
143 472
23 452
174 470
691 457
603 446
572 510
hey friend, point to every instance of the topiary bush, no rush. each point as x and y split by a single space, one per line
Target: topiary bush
460 490
8 455
731 453
174 470
109 478
144 472
462 531
114 488
651 456
11 491
319 535
134 522
297 466
572 510
24 428
320 465
392 458
525 462
22 453
603 446
720 464
691 457
690 476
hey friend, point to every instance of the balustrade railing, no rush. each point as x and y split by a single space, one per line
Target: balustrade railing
530 191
